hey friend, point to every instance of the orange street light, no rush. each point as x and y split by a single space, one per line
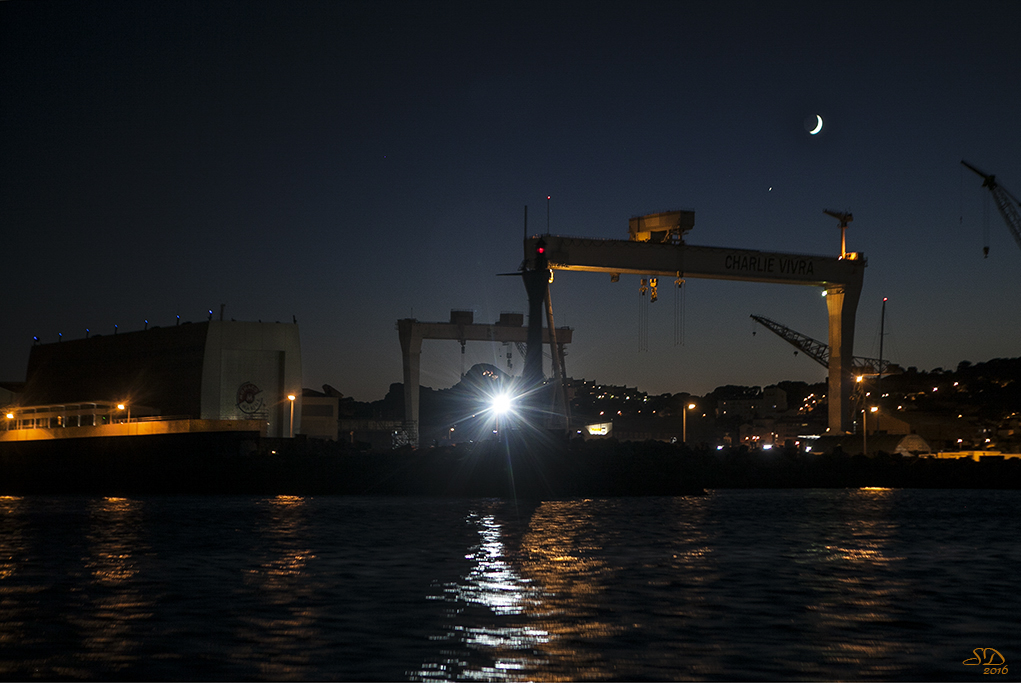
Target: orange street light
291 397
684 422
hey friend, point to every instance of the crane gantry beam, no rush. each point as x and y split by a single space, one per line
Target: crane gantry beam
685 260
840 278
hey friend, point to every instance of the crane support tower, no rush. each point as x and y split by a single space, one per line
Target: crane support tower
820 352
1006 203
657 248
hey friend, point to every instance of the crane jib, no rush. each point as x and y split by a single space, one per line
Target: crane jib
1006 203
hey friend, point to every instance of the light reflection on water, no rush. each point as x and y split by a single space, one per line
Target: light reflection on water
13 594
12 540
492 582
851 576
494 585
289 614
112 603
864 584
692 588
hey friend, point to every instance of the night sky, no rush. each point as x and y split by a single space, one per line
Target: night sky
351 164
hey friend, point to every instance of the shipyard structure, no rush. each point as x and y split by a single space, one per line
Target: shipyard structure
192 377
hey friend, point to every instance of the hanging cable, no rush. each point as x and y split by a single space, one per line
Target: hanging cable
960 198
679 294
985 224
890 322
643 317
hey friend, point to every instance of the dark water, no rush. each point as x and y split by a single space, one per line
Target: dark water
790 584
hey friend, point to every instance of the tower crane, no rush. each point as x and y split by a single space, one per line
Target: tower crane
844 217
1006 203
820 352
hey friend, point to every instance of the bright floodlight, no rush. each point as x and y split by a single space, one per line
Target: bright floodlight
501 404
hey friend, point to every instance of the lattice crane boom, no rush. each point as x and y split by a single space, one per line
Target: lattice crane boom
820 352
1006 203
813 348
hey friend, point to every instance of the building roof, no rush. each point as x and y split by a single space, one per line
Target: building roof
852 444
160 367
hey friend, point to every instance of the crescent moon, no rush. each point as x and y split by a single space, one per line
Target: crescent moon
818 126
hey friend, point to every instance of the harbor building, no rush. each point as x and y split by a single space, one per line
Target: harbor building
211 373
319 415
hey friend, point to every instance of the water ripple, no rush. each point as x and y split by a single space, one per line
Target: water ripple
750 585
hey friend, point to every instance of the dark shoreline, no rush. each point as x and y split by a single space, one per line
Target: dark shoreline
242 463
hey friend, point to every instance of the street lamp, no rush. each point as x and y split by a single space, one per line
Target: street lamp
290 397
684 422
864 427
859 393
122 406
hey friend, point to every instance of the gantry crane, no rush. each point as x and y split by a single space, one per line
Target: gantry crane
664 254
820 352
1006 203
